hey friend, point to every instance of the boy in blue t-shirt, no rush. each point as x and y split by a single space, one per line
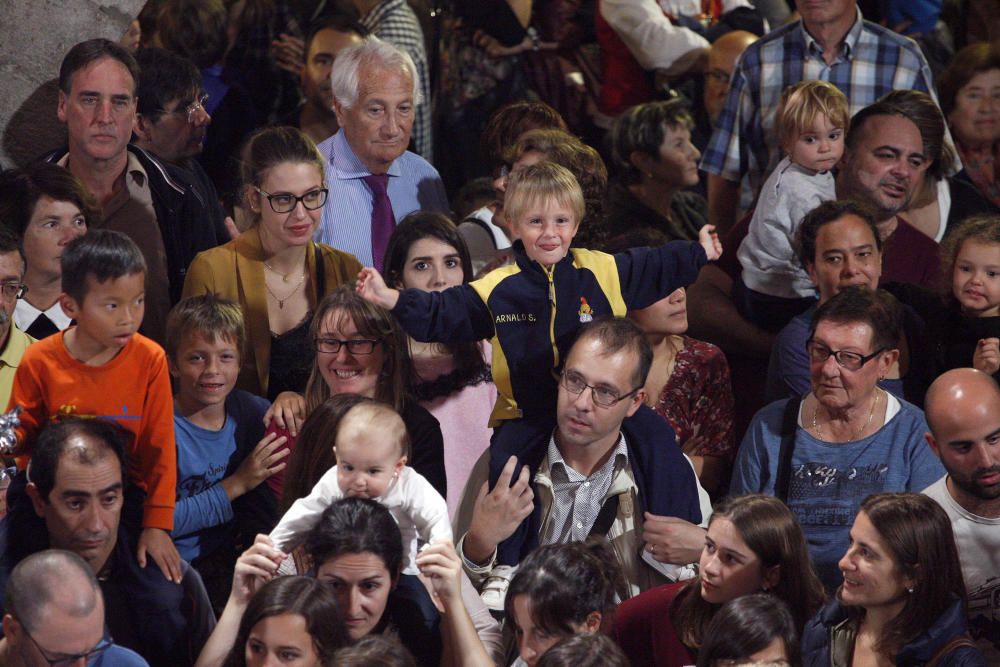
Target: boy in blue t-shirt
222 454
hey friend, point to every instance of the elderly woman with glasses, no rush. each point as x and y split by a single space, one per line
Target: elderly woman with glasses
846 438
274 270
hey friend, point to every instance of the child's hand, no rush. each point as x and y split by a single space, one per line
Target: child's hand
987 356
288 412
373 289
254 568
709 240
156 543
264 461
439 563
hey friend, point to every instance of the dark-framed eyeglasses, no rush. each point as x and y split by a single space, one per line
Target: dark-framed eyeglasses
356 346
190 110
13 289
605 397
286 203
852 361
69 660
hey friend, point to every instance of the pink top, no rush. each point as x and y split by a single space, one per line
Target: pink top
464 416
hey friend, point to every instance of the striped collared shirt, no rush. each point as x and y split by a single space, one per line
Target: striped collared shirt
873 61
577 499
414 185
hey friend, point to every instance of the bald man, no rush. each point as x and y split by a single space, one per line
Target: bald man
722 57
963 413
55 614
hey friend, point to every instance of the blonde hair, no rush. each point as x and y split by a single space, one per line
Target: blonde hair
981 228
375 413
803 101
543 181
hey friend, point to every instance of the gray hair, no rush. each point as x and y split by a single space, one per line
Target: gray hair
33 584
373 51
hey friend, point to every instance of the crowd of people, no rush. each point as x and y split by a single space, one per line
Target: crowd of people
508 332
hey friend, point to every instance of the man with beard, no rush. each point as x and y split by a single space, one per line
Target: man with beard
884 161
13 342
963 413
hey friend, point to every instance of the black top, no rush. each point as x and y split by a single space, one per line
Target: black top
291 360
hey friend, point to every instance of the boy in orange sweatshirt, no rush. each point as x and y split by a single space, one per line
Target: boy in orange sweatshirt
103 369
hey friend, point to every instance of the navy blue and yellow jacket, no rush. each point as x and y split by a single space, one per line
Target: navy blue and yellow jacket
532 314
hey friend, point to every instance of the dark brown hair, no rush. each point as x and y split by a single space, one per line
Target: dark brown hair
373 322
964 66
770 530
511 121
20 190
917 532
309 598
857 304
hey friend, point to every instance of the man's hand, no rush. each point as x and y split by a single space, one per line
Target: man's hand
264 461
156 543
373 289
498 513
288 412
709 240
672 540
986 358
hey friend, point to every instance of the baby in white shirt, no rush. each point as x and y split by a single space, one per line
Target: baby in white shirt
371 446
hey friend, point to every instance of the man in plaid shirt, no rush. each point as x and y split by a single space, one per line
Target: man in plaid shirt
831 42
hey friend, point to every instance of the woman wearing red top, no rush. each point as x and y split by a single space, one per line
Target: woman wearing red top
753 544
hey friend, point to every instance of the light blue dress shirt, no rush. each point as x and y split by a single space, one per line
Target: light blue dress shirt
414 185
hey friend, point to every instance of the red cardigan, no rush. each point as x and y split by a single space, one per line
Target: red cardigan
645 633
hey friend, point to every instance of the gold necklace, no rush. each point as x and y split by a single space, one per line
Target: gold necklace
281 302
284 276
857 435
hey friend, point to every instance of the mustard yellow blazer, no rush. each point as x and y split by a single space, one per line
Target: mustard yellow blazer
236 271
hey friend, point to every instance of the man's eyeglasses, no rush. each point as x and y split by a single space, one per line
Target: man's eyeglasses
285 203
13 289
69 660
852 361
603 396
357 346
191 109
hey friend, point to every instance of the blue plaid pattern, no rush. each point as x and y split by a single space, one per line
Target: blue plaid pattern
873 61
395 22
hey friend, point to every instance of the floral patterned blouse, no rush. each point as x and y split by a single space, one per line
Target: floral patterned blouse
698 399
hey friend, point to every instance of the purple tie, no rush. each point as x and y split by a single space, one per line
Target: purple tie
383 221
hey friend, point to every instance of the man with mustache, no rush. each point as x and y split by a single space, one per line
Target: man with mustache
963 413
13 342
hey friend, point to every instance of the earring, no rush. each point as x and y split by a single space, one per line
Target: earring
910 590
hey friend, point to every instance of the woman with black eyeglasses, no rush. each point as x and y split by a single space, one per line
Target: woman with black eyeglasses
359 350
846 438
274 270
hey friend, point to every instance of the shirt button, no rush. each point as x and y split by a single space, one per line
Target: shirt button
586 483
579 524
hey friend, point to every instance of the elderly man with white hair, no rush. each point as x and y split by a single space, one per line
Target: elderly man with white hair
373 180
